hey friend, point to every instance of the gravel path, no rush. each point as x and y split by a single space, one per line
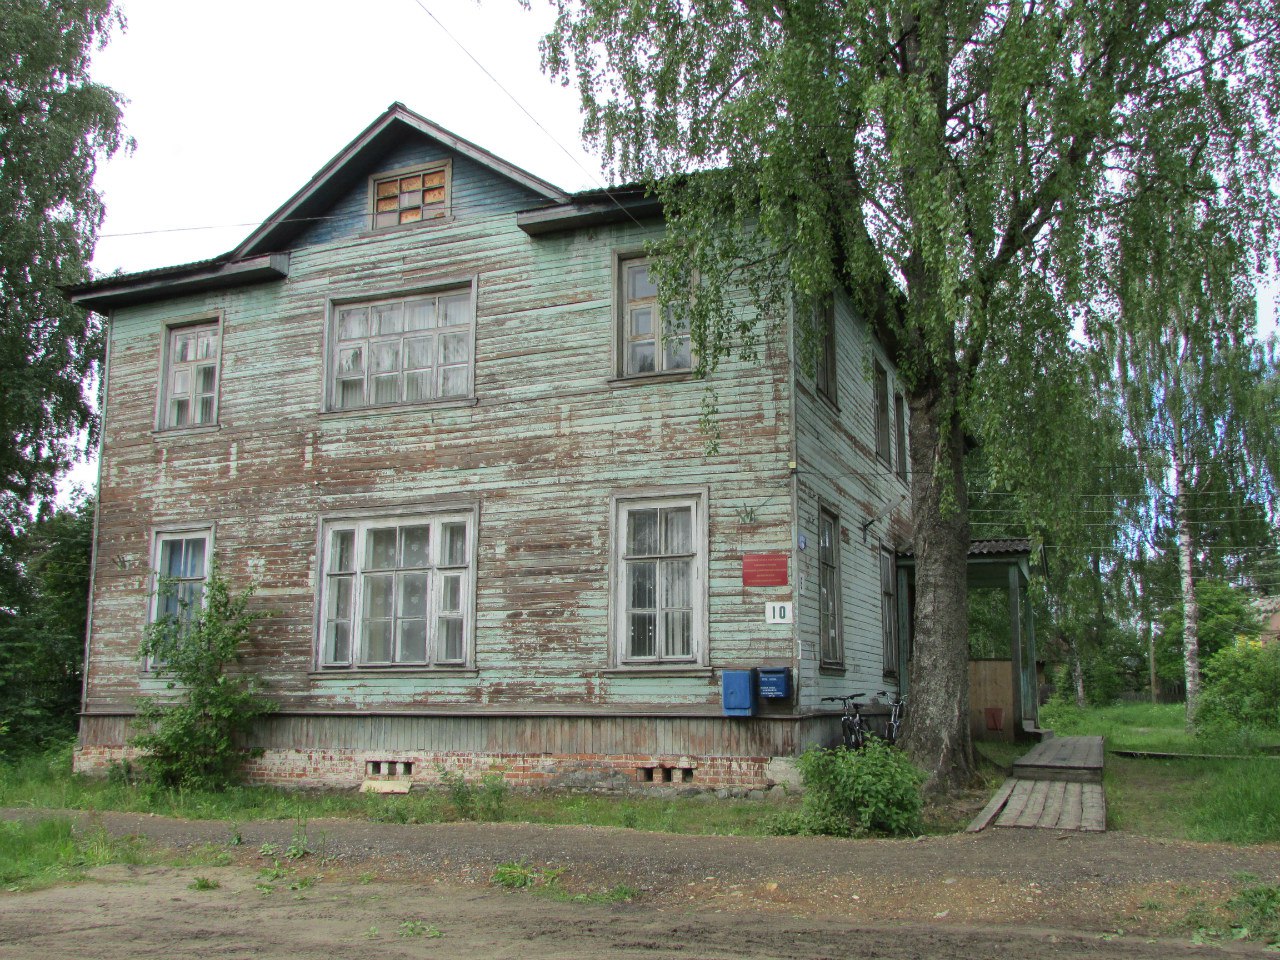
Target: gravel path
1031 892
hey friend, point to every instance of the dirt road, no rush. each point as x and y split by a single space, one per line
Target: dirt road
388 891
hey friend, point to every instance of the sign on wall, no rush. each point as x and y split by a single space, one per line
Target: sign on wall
764 569
778 613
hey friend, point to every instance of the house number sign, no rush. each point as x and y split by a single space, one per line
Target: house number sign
778 613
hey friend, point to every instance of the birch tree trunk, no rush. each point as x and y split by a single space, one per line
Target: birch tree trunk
1077 674
1190 609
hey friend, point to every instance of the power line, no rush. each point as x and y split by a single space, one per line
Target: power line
510 96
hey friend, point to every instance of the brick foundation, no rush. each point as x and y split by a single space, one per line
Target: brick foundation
311 769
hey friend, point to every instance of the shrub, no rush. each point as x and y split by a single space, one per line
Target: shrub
852 792
1241 688
194 741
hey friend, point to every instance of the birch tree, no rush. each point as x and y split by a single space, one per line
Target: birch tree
957 166
55 125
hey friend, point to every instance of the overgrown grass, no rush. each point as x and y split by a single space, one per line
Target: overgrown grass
1158 728
47 782
44 852
1196 798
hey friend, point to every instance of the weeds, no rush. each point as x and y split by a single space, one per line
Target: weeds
521 875
485 800
46 852
298 848
203 883
1253 913
420 928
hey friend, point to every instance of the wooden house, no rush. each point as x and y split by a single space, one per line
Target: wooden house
431 408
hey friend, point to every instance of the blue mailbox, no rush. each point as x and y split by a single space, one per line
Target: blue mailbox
738 693
775 683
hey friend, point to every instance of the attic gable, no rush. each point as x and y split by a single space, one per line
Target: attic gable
374 152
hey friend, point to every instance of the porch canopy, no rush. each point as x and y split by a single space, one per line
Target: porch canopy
1004 565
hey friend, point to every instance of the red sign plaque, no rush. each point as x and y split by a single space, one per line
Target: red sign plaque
764 570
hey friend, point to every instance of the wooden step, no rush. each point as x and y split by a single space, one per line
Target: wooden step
1070 759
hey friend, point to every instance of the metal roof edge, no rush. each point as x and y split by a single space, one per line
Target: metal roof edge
148 286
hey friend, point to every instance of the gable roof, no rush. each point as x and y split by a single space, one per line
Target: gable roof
258 257
350 165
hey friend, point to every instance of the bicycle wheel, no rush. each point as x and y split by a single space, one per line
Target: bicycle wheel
852 732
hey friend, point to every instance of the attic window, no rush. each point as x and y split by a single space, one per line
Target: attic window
411 196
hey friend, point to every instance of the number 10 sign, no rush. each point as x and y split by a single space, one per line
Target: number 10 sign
778 613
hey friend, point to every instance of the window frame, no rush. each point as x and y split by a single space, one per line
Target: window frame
445 208
824 374
435 515
830 642
173 328
621 313
333 309
889 629
621 504
168 534
880 377
900 434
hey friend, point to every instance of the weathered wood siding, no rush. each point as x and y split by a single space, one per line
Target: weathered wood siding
546 442
838 468
476 194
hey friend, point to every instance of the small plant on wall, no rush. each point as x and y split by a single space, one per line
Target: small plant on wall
194 740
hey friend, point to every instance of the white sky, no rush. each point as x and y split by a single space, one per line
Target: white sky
234 105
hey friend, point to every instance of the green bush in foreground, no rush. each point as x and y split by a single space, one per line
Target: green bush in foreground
1241 688
194 742
854 792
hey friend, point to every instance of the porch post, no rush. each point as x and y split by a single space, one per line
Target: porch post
1015 646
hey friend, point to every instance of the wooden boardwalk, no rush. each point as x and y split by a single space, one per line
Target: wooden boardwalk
1056 786
1076 759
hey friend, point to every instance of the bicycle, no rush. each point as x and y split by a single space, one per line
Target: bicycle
897 707
853 730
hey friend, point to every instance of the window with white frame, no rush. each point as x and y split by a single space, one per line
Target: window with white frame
410 196
660 585
402 350
180 561
190 388
829 632
651 339
398 591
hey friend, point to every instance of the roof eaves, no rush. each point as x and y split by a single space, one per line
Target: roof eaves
148 286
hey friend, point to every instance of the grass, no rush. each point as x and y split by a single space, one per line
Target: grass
1158 728
545 881
1252 913
1194 797
42 853
46 782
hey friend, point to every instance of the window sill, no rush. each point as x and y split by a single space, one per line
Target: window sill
447 217
675 376
390 408
341 673
832 669
659 670
187 431
828 402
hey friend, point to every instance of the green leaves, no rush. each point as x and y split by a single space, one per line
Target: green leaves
195 741
55 125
